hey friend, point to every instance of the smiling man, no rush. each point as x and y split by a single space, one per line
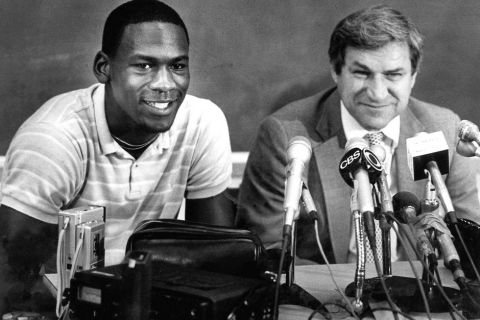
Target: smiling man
135 143
374 55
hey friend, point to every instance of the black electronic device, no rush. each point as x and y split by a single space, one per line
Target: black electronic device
175 293
116 292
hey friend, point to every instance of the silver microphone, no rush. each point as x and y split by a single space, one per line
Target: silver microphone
299 151
468 131
468 145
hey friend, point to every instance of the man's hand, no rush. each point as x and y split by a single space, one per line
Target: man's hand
25 245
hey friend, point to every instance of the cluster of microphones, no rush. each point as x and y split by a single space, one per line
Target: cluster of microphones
362 169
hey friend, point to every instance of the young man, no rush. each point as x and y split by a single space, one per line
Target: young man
135 143
374 55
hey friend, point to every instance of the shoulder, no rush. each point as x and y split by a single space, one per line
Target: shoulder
429 112
67 119
199 112
301 117
434 117
68 110
304 108
200 106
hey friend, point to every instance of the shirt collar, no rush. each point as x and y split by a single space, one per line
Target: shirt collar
105 139
354 129
107 144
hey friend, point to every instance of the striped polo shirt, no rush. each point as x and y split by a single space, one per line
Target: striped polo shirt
64 157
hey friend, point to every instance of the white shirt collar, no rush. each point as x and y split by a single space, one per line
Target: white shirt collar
353 129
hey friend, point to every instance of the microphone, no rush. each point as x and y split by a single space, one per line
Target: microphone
406 209
468 149
468 145
382 186
384 196
468 132
360 164
299 151
430 202
359 279
309 204
428 152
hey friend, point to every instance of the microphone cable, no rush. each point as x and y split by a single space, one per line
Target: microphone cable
450 211
393 306
348 303
373 246
309 205
73 268
61 267
441 285
424 265
467 252
77 253
410 262
285 241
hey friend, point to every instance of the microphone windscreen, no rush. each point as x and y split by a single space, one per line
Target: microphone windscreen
405 199
406 206
468 131
356 142
466 149
379 151
299 148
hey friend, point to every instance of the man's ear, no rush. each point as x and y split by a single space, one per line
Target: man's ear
414 78
101 67
333 73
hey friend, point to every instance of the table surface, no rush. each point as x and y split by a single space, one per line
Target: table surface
317 280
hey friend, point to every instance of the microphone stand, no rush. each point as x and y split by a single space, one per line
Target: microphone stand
385 226
290 292
386 207
370 287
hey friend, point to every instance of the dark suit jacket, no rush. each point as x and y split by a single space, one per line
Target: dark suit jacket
318 118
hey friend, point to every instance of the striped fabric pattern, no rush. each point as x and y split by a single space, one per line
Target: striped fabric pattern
63 157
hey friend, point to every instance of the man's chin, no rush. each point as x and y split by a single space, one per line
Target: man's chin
160 125
374 125
159 129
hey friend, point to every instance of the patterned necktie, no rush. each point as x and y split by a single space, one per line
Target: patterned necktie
375 139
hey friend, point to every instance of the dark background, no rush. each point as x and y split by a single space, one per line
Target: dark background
249 56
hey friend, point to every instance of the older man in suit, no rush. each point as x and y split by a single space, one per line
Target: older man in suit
375 55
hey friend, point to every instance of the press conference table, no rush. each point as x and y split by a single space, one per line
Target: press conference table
317 281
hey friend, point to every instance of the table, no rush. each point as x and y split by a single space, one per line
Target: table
317 281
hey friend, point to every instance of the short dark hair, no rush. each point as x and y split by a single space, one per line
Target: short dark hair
136 11
372 28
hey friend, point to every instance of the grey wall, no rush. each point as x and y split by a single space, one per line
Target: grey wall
249 56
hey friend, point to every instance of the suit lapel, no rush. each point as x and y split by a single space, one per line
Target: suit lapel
409 126
337 195
336 192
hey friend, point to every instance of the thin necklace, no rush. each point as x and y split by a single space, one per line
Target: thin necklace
132 147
